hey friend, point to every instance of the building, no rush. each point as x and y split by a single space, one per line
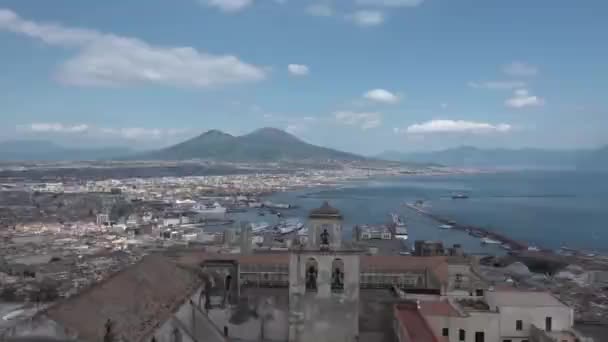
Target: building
324 291
498 316
368 232
428 248
153 300
102 219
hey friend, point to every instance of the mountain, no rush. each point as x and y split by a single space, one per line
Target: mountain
467 156
42 150
263 145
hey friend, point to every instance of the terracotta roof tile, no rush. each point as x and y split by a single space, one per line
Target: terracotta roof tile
136 299
413 324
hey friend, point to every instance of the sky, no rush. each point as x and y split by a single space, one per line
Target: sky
363 76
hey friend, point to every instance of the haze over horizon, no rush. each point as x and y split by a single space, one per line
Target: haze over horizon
359 76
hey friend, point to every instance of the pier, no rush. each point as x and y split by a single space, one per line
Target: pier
472 230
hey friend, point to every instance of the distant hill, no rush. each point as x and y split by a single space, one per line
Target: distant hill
41 150
262 145
467 156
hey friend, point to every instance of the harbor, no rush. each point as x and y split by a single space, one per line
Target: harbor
485 236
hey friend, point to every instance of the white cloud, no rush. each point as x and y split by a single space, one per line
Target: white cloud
390 3
367 18
228 5
497 85
382 96
454 126
522 98
141 133
364 120
110 60
294 129
57 127
320 10
520 69
298 69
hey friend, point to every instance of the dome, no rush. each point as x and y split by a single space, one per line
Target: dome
325 211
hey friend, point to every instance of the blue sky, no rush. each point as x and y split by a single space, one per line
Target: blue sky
359 75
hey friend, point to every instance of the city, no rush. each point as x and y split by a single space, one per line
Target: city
303 171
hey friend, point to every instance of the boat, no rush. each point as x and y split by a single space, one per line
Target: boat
397 220
214 208
489 241
446 226
475 233
289 225
401 233
506 247
460 196
258 227
533 248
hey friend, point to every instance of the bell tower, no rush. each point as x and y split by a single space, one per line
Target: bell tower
325 231
324 282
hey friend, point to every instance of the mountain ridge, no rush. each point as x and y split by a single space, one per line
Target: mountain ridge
263 144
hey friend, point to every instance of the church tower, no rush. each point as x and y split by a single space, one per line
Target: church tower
324 283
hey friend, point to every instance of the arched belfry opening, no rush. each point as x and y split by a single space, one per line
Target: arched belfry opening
337 275
312 272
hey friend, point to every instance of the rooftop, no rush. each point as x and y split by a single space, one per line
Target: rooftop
437 266
413 324
522 299
438 308
136 300
325 211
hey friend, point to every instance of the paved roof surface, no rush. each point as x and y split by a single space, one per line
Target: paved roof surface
136 299
438 308
522 298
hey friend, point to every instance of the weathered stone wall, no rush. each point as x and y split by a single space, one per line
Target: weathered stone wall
323 315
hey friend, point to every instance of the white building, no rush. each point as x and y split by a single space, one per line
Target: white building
499 316
102 219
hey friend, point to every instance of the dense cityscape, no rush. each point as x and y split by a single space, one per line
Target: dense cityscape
63 238
303 171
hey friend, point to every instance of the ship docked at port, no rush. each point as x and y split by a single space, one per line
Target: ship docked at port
400 227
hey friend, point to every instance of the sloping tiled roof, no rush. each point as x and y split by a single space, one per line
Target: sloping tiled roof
136 300
413 324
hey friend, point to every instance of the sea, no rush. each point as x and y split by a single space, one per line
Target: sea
549 209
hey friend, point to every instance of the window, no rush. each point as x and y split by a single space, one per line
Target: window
506 340
548 323
337 275
479 336
445 332
311 274
479 293
461 335
518 325
524 340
